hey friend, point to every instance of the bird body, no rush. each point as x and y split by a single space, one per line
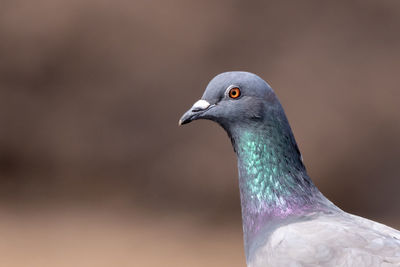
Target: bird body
287 221
322 239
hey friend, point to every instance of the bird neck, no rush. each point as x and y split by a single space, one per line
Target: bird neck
273 181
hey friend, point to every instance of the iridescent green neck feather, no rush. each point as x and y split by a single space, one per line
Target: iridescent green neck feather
273 181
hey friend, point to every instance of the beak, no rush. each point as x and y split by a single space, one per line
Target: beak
195 112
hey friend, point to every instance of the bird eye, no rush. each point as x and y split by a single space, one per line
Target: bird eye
234 93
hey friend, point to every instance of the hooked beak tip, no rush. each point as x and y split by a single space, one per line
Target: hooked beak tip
186 118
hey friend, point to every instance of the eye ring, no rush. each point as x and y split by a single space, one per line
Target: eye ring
234 92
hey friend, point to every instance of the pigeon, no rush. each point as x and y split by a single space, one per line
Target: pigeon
287 221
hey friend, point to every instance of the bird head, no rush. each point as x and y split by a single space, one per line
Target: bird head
233 98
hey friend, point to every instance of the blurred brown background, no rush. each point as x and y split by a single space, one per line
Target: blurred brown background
94 170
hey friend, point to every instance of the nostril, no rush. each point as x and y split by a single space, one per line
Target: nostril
200 105
197 109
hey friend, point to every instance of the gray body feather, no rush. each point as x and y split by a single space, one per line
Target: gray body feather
337 239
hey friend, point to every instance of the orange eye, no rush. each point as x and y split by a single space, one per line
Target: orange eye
234 92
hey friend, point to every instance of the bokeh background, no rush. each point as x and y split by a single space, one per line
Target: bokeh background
94 170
